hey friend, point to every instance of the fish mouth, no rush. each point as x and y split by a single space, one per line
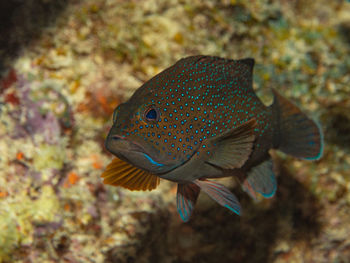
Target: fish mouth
135 154
124 149
121 144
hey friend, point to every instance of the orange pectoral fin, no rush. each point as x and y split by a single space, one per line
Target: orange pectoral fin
120 173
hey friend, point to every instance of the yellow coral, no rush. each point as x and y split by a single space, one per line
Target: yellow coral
18 213
49 157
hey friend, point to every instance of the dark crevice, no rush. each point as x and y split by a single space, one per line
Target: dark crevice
22 22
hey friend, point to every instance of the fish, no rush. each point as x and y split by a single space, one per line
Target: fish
199 120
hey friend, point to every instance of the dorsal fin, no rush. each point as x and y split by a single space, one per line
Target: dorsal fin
240 70
249 62
120 173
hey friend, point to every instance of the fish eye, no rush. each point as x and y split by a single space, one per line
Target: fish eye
115 114
152 114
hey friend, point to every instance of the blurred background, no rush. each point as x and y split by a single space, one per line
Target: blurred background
66 64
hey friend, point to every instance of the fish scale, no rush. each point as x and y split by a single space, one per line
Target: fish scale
201 119
186 122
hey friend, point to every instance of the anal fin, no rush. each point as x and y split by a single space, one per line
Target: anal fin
220 194
261 179
186 198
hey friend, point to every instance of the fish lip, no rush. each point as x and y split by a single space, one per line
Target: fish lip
139 149
135 147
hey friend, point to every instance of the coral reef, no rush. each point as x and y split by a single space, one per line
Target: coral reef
65 71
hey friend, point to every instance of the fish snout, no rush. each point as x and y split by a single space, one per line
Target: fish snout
117 137
118 143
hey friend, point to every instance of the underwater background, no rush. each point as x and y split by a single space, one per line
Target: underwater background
64 67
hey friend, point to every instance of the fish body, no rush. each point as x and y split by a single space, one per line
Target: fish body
201 119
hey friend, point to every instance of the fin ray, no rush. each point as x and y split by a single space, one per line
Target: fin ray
233 148
186 198
261 179
120 173
299 135
220 194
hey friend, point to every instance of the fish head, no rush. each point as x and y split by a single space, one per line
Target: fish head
147 134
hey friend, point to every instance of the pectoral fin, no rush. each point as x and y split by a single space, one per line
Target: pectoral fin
186 198
232 149
261 179
220 194
120 173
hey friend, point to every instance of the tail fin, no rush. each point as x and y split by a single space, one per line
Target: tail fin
299 135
